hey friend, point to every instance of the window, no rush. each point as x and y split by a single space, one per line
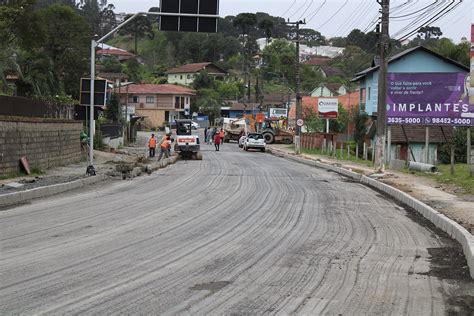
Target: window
150 99
133 99
181 77
368 94
188 76
176 102
182 102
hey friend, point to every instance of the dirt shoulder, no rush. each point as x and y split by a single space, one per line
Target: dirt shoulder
444 198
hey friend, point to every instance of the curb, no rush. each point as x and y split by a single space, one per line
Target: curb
441 221
22 196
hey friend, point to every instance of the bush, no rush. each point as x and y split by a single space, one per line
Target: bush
460 147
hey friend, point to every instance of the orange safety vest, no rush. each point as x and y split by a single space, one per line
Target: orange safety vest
164 143
152 143
221 134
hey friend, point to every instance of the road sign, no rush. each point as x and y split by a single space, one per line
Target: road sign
189 15
100 91
300 122
328 108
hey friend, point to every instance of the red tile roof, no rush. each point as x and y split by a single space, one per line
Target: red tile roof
317 61
192 68
157 89
116 52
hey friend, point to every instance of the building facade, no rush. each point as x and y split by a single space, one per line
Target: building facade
157 103
186 74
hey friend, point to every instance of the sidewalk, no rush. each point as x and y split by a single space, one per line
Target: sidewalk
439 196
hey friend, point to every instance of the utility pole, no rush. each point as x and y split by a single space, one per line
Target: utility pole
297 85
382 89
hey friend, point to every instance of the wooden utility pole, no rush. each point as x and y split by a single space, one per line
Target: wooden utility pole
297 86
382 88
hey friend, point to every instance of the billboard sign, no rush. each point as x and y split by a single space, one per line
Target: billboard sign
183 17
277 112
328 108
100 92
429 99
471 90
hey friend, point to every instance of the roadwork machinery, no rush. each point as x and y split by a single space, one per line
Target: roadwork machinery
187 145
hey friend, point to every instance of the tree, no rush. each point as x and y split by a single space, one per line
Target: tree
352 60
312 122
360 120
113 108
203 81
341 123
209 103
246 22
267 26
140 27
429 32
132 70
280 59
67 42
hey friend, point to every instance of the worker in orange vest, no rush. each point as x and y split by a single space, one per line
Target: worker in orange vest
152 145
165 147
222 135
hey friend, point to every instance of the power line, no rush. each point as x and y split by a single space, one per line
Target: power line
414 12
307 8
298 10
348 27
432 20
311 16
289 8
335 13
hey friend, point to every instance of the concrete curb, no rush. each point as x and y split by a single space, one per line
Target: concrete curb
22 196
441 221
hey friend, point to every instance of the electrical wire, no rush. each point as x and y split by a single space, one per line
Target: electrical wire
432 20
414 12
350 25
335 13
289 8
307 8
299 9
311 16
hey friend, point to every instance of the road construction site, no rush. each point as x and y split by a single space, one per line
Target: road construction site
236 233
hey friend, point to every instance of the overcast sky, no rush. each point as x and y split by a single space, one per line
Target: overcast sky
331 22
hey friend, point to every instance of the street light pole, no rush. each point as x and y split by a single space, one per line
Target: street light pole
91 106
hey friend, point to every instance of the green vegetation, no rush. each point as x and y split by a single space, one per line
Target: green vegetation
460 178
352 158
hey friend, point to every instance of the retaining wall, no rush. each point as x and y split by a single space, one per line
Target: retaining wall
44 142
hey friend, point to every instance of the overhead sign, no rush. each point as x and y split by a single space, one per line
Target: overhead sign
181 19
429 99
100 92
328 108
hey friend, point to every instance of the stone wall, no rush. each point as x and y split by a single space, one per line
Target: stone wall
44 142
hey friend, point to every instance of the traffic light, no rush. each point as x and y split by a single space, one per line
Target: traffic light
179 22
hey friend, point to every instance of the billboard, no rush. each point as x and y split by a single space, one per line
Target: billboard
471 90
278 112
429 99
100 92
328 108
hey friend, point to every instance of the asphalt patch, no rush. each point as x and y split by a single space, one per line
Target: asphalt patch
211 286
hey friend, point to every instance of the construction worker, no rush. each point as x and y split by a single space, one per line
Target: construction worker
222 135
152 145
165 147
217 141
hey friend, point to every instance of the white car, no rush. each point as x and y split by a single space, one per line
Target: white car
194 125
254 141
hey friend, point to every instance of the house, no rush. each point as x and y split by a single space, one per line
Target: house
157 103
107 51
329 90
408 142
185 74
418 60
317 61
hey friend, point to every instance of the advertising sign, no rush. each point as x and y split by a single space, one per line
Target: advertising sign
328 108
278 112
429 99
471 90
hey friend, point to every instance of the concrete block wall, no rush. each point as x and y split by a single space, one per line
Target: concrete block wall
45 143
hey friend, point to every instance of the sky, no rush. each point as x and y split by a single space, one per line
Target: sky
339 17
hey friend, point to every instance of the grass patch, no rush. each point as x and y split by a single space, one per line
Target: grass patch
352 158
461 177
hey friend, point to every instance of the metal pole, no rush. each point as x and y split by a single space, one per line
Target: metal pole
91 107
327 126
469 157
452 158
382 88
427 144
389 145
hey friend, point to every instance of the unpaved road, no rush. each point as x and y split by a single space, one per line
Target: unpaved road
236 233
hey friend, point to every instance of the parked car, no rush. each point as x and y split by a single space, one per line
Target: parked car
254 141
194 125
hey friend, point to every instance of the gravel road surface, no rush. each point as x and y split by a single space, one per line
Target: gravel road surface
237 233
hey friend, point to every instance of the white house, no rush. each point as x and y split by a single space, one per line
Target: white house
329 90
185 74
